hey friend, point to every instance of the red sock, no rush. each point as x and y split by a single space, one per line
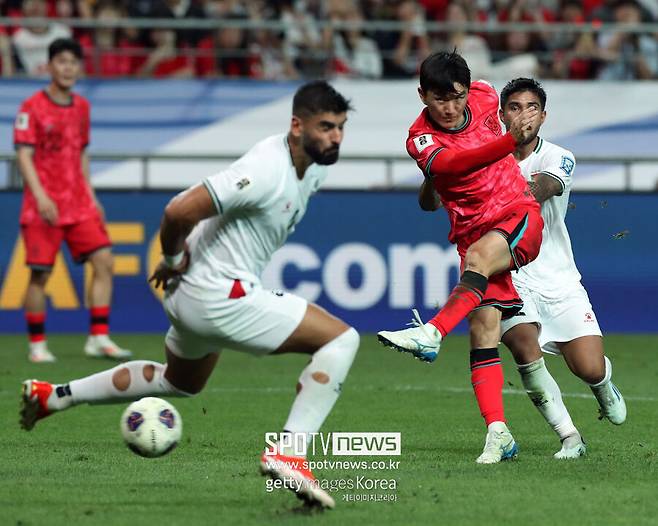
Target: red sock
36 326
100 320
487 380
463 299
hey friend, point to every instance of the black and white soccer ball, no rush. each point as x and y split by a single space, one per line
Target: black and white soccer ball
151 427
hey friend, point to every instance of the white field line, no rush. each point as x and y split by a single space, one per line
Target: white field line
395 388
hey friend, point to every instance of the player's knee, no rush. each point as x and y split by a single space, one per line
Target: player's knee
102 262
590 373
121 379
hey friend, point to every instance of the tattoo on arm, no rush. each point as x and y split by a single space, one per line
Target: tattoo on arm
544 187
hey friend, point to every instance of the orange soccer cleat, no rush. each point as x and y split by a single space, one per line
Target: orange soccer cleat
34 402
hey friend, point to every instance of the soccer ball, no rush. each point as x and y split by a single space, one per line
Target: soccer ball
151 427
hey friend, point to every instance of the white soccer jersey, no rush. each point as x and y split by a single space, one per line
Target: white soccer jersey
259 200
554 271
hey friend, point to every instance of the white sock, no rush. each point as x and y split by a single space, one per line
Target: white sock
145 378
606 379
321 383
545 394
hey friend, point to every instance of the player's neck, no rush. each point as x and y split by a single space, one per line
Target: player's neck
59 95
300 159
524 150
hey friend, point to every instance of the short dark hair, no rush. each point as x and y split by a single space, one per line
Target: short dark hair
440 71
64 44
523 84
318 97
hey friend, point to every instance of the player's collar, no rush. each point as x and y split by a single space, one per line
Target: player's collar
540 143
461 127
70 103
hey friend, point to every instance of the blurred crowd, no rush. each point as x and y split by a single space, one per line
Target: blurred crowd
326 38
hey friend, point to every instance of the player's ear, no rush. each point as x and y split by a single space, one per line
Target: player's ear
543 117
421 94
296 126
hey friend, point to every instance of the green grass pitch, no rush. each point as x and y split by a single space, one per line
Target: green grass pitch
74 469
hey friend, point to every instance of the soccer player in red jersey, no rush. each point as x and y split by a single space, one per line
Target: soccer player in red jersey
59 204
495 221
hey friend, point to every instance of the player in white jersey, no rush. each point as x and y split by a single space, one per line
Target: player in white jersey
217 237
557 317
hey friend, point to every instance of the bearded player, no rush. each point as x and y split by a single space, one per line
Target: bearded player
217 237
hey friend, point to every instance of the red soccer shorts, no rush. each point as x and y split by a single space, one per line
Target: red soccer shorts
522 229
42 241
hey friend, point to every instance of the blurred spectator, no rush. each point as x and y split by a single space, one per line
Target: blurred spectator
473 48
109 52
31 43
181 9
404 50
628 56
164 58
226 53
302 42
6 57
574 52
353 54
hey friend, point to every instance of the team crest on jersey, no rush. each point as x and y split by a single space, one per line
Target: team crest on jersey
567 165
493 124
22 121
423 141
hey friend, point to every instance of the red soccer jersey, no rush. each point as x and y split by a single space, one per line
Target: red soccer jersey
58 133
474 200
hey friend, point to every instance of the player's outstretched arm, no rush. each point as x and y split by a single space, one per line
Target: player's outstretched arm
456 163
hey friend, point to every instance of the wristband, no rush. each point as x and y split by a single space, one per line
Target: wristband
175 260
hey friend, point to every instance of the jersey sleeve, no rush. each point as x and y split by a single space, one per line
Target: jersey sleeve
236 189
560 165
25 126
423 148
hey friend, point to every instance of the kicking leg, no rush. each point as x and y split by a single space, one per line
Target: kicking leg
484 258
586 359
543 390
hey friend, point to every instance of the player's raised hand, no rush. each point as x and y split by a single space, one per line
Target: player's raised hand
47 209
522 125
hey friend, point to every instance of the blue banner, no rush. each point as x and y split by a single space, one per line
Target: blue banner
368 257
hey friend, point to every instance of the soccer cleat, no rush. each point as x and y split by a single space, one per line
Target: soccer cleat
100 346
39 353
34 402
499 445
423 340
611 402
572 447
295 475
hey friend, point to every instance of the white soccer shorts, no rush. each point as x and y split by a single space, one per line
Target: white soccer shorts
205 321
560 320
